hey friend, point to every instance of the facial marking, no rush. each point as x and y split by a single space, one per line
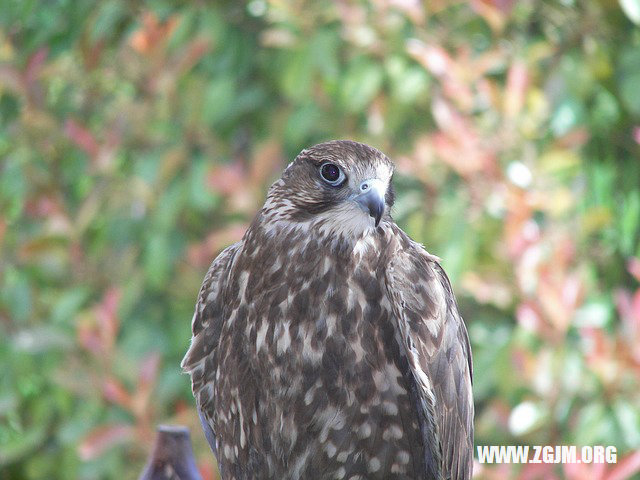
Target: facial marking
340 189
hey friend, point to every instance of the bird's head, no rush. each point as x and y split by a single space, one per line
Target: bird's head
341 187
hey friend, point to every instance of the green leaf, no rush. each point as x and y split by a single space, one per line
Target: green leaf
360 84
408 82
13 188
16 294
301 124
628 421
630 221
297 75
218 100
323 50
156 261
68 304
605 111
628 73
201 196
22 444
109 15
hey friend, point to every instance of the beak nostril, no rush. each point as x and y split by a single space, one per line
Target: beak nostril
372 198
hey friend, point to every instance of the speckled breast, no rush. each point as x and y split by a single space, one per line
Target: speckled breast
316 385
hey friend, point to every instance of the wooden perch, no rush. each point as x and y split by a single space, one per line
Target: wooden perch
172 456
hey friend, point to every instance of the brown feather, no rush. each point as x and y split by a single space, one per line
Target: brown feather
324 347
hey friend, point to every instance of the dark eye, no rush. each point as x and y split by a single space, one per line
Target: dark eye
331 174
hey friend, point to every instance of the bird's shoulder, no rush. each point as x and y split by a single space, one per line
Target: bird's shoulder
412 276
207 318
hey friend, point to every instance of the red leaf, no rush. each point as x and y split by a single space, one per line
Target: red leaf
626 468
226 179
34 65
633 265
107 315
103 438
433 58
88 337
635 309
146 382
503 5
583 471
207 471
82 137
517 82
91 53
536 471
267 161
149 370
528 316
152 33
115 392
192 54
200 254
493 11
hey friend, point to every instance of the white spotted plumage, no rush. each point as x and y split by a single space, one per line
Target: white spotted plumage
327 344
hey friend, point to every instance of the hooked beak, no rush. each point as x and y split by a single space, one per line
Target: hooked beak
371 198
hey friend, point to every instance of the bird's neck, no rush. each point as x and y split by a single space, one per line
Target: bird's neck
275 231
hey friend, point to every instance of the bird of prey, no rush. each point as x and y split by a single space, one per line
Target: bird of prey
326 343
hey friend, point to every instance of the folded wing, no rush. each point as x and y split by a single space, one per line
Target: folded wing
201 359
437 346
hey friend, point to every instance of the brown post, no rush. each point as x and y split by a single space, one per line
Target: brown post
172 456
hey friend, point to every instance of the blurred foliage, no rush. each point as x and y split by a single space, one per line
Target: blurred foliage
137 139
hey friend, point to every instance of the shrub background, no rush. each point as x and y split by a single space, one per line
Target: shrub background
137 139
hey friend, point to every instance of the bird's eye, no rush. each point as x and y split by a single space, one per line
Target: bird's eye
331 174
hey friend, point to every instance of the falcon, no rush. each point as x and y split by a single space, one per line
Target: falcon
326 343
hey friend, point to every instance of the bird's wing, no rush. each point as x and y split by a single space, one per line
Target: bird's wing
437 345
200 360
